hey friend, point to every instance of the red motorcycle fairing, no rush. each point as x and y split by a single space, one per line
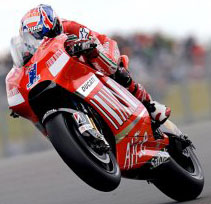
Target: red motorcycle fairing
127 118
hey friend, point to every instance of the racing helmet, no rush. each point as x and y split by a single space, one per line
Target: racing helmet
41 21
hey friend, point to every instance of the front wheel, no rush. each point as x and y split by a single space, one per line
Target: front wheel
181 178
99 170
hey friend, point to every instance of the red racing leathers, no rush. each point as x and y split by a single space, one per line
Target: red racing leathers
107 60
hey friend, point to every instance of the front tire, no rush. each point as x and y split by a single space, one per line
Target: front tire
96 170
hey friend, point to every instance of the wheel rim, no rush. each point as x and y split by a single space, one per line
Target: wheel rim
106 161
187 160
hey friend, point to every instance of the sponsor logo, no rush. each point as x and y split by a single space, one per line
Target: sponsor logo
14 97
50 112
159 159
84 128
12 92
88 86
53 59
135 151
108 102
33 77
83 33
57 62
36 28
79 118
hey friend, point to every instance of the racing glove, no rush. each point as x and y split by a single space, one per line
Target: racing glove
81 47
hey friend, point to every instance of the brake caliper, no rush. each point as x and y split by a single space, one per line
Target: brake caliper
88 129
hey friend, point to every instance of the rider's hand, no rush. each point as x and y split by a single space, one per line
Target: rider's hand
80 47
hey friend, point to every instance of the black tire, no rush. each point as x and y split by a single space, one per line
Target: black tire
181 179
93 171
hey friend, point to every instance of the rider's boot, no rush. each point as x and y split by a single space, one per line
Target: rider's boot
159 112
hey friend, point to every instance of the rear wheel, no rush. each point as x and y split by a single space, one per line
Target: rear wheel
181 178
98 169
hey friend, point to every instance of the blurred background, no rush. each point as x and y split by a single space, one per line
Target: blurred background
168 43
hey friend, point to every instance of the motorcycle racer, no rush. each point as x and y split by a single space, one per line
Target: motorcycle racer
98 50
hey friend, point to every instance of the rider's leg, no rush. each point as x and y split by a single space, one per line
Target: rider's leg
158 112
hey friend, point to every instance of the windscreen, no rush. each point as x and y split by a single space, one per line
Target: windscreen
22 47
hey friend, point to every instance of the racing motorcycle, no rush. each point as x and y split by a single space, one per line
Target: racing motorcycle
99 129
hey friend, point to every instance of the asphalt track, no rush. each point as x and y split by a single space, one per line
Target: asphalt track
43 178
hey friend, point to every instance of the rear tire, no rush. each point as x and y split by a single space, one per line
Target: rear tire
99 171
180 179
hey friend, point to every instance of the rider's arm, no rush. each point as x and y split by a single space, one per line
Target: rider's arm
107 49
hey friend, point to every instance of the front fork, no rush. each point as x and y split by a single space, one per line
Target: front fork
84 124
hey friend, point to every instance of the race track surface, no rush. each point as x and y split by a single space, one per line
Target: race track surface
43 178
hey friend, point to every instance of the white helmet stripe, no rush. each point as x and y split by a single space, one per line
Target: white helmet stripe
31 20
